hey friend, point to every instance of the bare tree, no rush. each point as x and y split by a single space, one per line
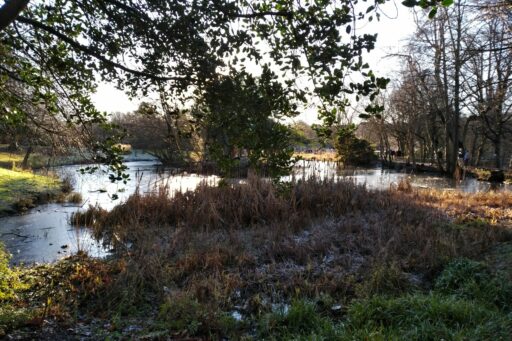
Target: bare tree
489 75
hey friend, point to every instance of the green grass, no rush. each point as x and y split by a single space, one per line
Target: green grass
10 284
7 159
19 189
469 301
38 159
218 284
426 317
457 308
409 317
468 279
302 320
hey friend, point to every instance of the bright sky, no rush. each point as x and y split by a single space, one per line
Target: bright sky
395 26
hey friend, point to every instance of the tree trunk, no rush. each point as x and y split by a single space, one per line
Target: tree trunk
13 147
24 163
473 148
497 151
479 153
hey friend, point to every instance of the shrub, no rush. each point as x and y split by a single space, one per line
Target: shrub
75 198
67 184
9 280
353 151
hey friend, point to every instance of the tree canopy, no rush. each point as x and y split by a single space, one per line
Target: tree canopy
57 51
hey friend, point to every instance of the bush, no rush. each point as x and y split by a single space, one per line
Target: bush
9 280
353 151
75 198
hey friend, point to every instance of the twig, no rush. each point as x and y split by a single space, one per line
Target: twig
15 234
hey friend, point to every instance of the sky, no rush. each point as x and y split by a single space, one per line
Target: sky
395 26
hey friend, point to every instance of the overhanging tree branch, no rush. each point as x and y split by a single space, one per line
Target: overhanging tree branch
264 14
93 53
10 10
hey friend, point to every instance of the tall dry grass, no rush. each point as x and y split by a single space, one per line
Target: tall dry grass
233 243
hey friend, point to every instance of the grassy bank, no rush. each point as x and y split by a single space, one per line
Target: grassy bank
323 156
309 260
20 190
37 159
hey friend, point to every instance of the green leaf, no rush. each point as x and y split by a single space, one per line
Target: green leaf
432 12
447 3
423 4
409 3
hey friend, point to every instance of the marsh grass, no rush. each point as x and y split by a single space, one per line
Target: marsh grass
384 259
74 197
255 243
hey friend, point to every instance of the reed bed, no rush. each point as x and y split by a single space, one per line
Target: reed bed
232 242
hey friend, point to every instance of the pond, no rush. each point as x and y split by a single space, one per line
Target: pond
44 233
379 178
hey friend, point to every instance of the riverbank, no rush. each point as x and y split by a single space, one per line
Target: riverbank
37 159
481 174
320 156
21 190
312 259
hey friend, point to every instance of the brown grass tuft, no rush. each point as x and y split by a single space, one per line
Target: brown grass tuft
75 198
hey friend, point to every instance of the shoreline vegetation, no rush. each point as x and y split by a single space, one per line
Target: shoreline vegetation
307 260
22 189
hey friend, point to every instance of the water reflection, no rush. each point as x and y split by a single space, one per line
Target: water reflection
45 235
379 178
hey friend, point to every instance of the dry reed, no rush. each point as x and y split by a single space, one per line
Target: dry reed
233 242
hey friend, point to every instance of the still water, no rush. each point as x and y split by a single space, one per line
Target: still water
44 234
